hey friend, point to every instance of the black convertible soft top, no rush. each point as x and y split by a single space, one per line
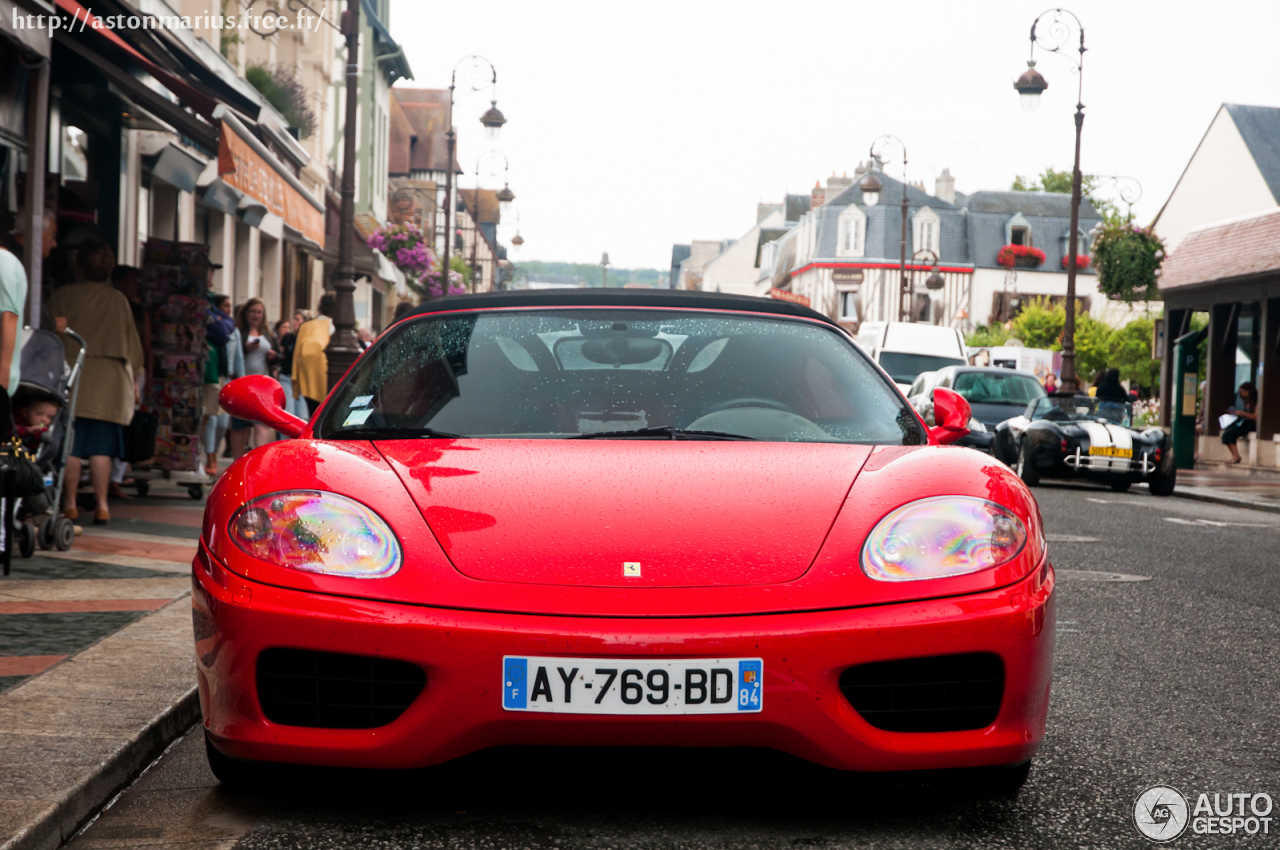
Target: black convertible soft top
600 297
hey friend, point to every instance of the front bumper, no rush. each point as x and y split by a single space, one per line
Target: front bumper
460 711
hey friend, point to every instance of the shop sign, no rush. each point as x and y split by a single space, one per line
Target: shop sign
242 167
787 295
846 276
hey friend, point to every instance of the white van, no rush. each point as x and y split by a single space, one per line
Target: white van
906 349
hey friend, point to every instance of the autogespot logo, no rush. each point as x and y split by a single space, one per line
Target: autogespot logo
1160 813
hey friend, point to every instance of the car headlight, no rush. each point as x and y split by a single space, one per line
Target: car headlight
316 532
941 537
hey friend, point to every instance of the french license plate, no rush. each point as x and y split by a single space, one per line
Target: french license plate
1110 451
632 686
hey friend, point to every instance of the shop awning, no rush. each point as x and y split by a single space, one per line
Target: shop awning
30 40
245 164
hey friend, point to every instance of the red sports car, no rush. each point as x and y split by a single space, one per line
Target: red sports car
622 517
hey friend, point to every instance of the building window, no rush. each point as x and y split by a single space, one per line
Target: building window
927 230
848 306
1017 231
851 232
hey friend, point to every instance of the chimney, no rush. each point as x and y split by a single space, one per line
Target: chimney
818 196
836 185
945 186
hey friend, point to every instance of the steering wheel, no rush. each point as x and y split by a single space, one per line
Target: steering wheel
734 403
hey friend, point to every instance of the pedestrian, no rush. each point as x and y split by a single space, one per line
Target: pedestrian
125 279
1245 411
366 338
113 355
310 364
1050 383
260 355
13 299
225 361
1109 388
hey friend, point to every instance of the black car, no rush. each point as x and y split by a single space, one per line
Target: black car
994 395
1077 436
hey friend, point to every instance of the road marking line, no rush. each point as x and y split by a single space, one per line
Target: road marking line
1069 538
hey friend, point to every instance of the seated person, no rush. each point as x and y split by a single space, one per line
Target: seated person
33 413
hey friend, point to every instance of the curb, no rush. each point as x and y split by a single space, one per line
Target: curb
57 778
59 823
1202 495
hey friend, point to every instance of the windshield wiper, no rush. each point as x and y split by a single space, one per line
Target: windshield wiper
387 432
662 431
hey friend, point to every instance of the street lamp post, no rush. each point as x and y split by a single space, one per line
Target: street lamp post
1030 86
505 197
885 149
344 345
478 73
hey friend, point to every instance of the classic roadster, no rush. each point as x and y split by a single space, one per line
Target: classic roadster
1077 436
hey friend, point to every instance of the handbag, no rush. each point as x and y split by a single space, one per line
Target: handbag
140 436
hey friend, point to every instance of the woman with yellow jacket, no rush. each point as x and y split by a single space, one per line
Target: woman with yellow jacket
310 365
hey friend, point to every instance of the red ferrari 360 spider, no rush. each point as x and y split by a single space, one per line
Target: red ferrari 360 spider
619 518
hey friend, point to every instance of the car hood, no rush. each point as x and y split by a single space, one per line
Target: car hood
578 512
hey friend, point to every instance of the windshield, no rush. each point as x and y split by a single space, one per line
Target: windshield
997 388
1083 408
574 373
905 368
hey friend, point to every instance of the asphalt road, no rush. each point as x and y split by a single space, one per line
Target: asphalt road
1167 681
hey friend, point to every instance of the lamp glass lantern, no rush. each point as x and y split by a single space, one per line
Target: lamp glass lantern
871 186
505 197
493 119
1030 86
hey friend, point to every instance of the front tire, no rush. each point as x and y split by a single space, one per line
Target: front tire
233 773
1026 468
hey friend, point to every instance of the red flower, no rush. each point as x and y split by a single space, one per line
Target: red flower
1082 260
1010 254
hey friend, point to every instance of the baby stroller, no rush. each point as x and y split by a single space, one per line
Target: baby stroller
45 376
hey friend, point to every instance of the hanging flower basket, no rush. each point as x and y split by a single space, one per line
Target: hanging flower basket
1127 259
1082 261
1020 257
405 245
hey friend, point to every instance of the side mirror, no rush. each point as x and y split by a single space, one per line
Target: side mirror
951 413
260 398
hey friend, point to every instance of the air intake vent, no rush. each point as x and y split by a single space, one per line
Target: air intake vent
300 687
944 693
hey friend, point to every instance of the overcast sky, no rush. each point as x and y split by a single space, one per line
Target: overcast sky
640 124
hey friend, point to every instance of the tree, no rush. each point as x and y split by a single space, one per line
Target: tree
1059 182
1039 325
1131 353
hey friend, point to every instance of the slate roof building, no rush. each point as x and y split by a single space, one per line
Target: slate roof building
1234 171
844 255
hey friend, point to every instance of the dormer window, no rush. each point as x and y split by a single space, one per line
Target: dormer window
1017 231
851 232
928 231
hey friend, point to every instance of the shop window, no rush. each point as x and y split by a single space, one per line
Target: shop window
848 306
